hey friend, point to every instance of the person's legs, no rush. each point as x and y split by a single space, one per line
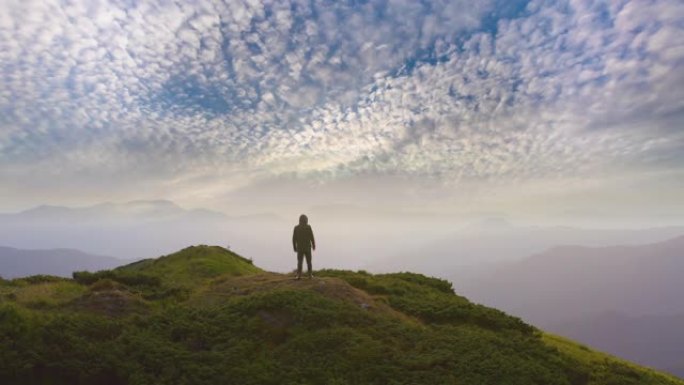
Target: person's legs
308 261
300 256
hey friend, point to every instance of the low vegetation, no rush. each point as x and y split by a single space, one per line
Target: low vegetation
207 316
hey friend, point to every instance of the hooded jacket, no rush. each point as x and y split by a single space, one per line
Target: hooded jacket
302 236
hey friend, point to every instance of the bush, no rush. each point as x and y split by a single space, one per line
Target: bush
88 278
41 278
439 284
126 278
105 284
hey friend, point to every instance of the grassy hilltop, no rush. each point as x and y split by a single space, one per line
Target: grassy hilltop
205 315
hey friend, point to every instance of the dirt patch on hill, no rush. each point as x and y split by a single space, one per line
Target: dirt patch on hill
113 303
330 287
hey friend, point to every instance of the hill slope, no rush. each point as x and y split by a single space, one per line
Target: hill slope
162 322
193 264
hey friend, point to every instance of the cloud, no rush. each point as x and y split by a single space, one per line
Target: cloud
108 95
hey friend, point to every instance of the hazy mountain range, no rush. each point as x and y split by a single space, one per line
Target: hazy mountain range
60 262
128 230
140 210
626 300
487 243
348 236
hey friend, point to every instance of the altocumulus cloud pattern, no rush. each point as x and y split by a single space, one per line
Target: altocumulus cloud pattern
451 90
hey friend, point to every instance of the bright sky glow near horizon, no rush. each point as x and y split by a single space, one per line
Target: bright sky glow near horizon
544 109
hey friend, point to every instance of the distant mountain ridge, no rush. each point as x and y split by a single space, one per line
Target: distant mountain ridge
626 300
132 210
495 241
638 280
58 262
129 230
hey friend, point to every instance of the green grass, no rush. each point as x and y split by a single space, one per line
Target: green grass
41 293
193 264
603 365
207 316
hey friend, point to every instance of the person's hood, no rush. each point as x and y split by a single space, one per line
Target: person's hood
303 220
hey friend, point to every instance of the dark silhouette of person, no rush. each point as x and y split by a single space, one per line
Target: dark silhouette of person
302 242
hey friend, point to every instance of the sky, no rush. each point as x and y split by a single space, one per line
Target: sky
541 110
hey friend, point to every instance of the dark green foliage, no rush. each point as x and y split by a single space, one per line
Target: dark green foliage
151 287
124 277
297 332
39 279
439 284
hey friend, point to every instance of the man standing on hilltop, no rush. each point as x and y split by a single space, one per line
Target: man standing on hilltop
303 241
